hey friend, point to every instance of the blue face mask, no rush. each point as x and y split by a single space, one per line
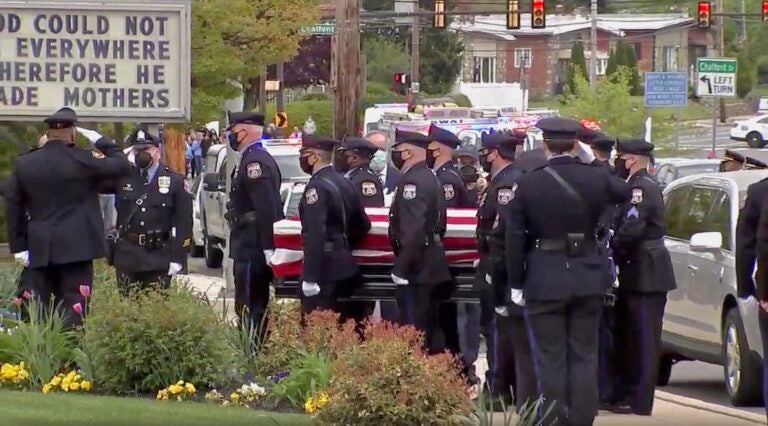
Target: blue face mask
234 141
379 161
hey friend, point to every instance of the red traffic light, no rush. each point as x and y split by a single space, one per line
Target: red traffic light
765 11
704 14
401 78
538 14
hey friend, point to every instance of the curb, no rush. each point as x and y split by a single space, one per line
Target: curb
712 408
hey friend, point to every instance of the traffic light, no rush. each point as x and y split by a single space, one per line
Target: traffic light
704 14
538 15
439 19
401 81
765 11
401 78
513 15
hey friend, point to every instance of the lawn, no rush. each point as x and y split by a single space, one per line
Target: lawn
37 409
693 111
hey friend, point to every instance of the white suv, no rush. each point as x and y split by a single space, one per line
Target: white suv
753 131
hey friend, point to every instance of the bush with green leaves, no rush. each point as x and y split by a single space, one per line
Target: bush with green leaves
307 376
152 339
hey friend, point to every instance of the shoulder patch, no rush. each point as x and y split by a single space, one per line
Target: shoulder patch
97 154
449 191
254 170
409 191
637 196
311 196
505 195
368 189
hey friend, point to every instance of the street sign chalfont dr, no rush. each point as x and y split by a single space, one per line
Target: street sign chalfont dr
716 77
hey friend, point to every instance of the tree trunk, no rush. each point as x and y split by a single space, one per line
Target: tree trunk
173 150
251 94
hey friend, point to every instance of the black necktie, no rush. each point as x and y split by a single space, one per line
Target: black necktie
145 176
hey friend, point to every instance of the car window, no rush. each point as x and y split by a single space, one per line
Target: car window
764 121
683 171
720 218
289 167
196 184
675 209
293 204
662 173
223 171
697 210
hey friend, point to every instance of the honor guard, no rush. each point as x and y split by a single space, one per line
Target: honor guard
510 366
417 222
754 164
355 164
53 217
645 277
154 218
440 159
602 147
556 270
732 161
254 206
333 220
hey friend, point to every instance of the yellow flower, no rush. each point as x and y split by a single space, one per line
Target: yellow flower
74 386
65 384
322 399
175 389
77 377
234 396
85 385
225 403
180 383
56 381
162 394
190 388
310 406
46 388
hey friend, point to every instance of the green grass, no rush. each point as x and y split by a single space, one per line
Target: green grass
36 409
693 111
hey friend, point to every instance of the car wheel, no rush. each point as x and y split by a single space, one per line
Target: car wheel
213 256
754 140
665 370
197 251
741 371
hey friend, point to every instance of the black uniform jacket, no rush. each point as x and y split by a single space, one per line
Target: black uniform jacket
746 237
454 190
368 186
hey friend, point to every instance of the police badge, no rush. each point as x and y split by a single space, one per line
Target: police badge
164 183
449 192
311 195
637 196
409 191
254 170
369 189
504 196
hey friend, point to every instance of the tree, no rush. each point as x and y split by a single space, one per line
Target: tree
578 65
312 65
746 74
621 54
441 62
383 59
634 83
610 69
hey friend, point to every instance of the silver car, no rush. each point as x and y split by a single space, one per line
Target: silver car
703 319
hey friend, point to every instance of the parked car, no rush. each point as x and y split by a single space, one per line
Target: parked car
214 196
198 242
753 131
667 172
703 319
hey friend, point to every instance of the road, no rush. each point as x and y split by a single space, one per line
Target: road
701 138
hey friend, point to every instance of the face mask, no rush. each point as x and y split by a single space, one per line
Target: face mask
397 159
143 159
431 158
340 162
305 166
234 140
378 162
621 168
484 163
469 174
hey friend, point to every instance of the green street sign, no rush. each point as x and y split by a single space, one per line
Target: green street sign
716 65
319 29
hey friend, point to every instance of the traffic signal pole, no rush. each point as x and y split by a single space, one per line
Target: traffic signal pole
415 54
346 95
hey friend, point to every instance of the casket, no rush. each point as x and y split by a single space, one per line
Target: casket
375 255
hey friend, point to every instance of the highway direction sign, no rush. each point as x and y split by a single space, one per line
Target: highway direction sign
319 29
716 77
666 89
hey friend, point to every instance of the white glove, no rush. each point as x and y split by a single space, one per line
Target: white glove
91 135
502 311
517 297
22 257
749 303
268 254
174 268
399 281
475 263
488 279
310 289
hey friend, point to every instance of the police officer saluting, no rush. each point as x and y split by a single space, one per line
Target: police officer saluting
416 224
355 164
254 206
52 208
333 220
509 359
602 147
645 277
556 269
154 218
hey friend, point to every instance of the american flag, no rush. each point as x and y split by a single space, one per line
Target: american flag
460 241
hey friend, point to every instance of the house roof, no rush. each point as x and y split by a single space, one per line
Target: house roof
644 22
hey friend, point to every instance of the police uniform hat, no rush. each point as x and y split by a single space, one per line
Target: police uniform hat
734 156
588 135
635 147
497 140
245 117
412 138
602 142
321 143
61 119
559 128
356 143
443 136
752 163
140 137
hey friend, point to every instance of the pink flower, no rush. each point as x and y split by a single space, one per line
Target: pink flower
78 307
16 301
26 294
85 290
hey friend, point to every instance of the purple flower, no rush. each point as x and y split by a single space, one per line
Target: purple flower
280 375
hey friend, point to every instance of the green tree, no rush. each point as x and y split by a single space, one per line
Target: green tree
578 65
610 69
621 54
746 74
384 58
441 62
637 88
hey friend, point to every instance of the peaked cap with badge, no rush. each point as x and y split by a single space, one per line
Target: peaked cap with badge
411 138
61 119
635 147
559 128
140 137
354 143
321 143
245 117
497 140
443 136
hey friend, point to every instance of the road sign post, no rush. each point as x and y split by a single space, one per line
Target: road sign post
667 89
281 120
715 78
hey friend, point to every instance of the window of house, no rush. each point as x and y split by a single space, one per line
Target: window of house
602 64
670 57
638 48
523 58
484 70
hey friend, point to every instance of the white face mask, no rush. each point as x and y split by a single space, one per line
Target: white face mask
379 161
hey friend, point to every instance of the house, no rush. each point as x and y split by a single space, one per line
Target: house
539 59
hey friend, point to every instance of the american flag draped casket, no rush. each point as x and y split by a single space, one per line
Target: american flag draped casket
460 242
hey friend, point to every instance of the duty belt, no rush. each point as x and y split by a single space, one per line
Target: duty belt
243 218
547 244
141 239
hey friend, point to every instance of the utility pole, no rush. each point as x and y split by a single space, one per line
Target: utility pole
743 38
721 48
593 44
415 51
347 94
280 107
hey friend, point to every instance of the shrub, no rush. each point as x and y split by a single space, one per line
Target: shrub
316 97
461 100
388 379
151 339
308 375
321 112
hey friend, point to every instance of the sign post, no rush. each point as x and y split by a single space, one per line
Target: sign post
715 78
667 89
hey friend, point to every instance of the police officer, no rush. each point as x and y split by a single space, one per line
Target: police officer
355 164
509 360
754 164
154 218
554 269
602 147
645 277
333 220
440 159
417 222
54 222
254 206
732 161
